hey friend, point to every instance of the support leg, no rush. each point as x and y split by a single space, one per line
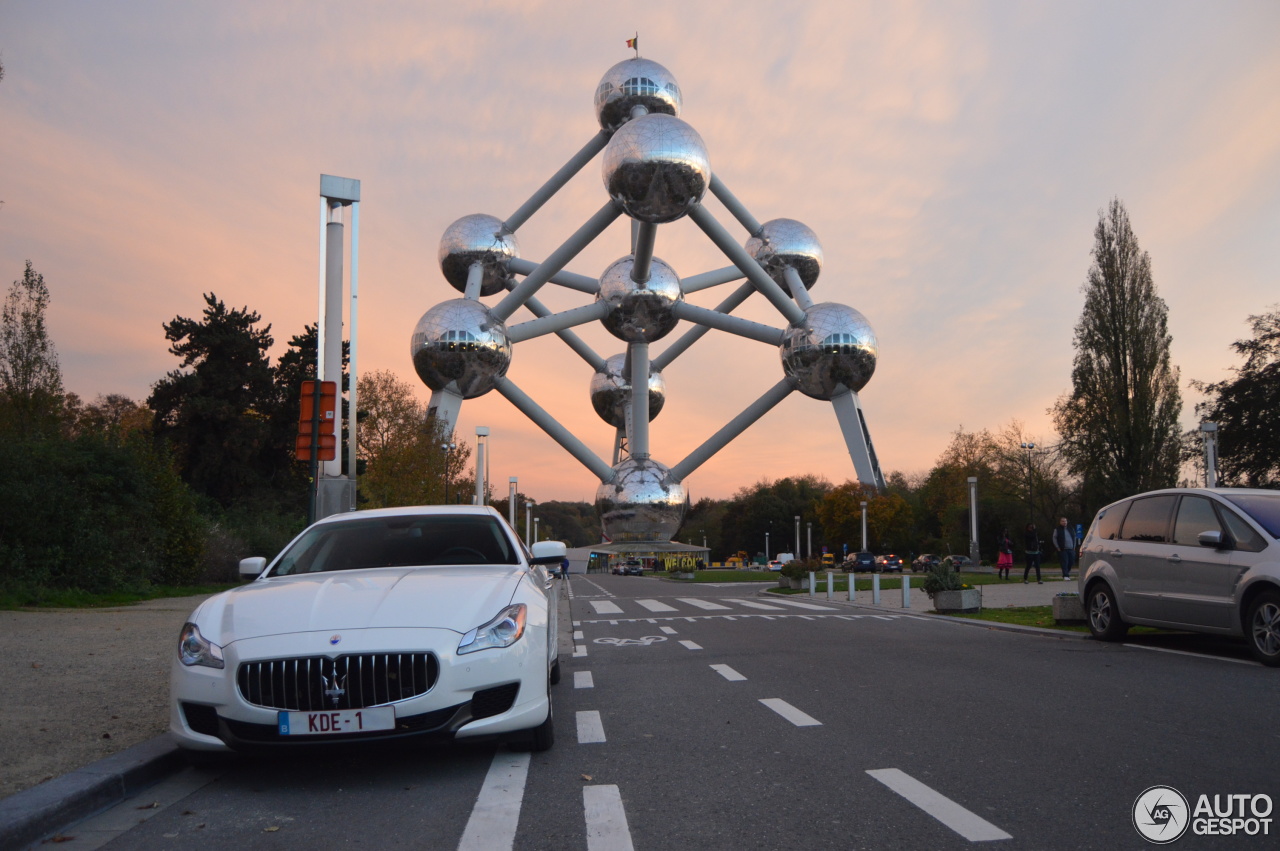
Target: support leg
853 425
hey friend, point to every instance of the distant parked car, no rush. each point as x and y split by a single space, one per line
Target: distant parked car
959 563
860 563
890 563
1206 560
633 568
924 563
775 565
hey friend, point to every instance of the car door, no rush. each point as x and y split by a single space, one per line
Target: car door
1203 577
1140 557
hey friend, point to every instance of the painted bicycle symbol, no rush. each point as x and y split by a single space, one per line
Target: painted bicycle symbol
632 642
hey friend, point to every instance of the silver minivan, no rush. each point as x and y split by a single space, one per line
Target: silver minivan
1200 559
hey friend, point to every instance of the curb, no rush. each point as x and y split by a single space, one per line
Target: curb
28 815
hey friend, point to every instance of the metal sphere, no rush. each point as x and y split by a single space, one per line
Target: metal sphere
640 504
832 351
482 239
611 392
632 83
639 313
457 345
786 242
656 168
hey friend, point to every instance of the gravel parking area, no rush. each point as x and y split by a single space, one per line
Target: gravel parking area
81 684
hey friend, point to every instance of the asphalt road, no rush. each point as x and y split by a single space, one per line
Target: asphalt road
690 717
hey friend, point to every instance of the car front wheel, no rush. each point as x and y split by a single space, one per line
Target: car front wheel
1264 628
1104 616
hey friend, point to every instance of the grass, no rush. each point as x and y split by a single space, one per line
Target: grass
74 598
731 575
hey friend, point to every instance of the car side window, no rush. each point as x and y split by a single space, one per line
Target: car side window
1242 533
1148 520
1195 515
1107 525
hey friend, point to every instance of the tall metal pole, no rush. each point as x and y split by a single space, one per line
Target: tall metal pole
864 526
973 520
535 529
1209 431
482 432
809 540
511 501
766 548
528 522
797 553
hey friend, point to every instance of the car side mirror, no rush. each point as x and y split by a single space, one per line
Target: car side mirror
251 568
548 552
1212 539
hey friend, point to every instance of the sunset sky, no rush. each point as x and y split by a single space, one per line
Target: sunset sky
953 158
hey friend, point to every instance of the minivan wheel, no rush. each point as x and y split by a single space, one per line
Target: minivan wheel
1264 628
1104 617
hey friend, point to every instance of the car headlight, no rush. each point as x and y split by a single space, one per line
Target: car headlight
502 631
195 649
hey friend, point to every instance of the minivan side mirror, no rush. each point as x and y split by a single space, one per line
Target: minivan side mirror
1212 539
251 568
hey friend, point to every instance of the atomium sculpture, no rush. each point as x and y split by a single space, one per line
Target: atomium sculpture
656 170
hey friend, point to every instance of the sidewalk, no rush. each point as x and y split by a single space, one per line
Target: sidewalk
999 595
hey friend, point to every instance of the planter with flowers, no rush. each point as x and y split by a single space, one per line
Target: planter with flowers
949 593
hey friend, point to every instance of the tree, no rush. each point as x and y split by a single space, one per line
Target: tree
1119 425
1245 408
217 418
771 507
30 378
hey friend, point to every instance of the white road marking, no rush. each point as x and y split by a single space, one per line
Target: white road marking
595 586
497 810
728 673
805 618
689 645
590 729
577 635
1189 653
786 710
699 603
668 630
964 822
881 618
583 679
655 606
752 604
606 819
579 650
604 607
800 605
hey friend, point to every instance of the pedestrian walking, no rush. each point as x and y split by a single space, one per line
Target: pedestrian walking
1004 561
1064 541
1031 545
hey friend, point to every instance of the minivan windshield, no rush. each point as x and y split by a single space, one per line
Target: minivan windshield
399 541
1262 507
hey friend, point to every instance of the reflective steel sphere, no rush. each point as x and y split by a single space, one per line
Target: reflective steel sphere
639 313
640 504
611 391
656 168
458 346
832 351
786 242
632 83
482 239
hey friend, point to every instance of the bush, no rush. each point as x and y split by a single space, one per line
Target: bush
800 568
942 578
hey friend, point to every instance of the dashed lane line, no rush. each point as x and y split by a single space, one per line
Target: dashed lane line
583 679
752 604
728 673
811 606
579 650
496 813
590 728
689 645
606 819
786 710
666 630
577 635
964 822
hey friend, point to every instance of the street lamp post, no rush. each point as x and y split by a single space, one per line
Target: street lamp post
864 526
797 553
528 521
447 447
535 529
973 520
1031 503
766 548
809 539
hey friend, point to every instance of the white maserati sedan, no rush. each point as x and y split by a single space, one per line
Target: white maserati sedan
431 622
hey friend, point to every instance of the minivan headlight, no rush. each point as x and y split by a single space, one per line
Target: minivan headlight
195 649
502 631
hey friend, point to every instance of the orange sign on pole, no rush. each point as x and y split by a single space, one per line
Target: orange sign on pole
316 424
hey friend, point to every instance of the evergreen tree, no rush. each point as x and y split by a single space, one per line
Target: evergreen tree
1119 424
30 378
1245 409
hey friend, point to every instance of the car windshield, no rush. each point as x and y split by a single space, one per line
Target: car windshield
1264 508
399 541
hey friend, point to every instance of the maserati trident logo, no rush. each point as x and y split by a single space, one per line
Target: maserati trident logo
334 687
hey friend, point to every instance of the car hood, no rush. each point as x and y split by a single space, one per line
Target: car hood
455 598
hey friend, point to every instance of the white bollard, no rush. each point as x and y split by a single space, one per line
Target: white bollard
831 585
811 583
875 589
852 581
906 592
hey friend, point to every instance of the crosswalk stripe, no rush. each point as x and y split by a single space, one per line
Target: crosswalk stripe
699 603
811 606
604 607
728 673
964 822
590 728
752 604
689 645
606 819
666 630
655 606
583 679
496 813
786 710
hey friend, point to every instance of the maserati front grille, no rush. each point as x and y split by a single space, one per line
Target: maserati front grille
317 683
